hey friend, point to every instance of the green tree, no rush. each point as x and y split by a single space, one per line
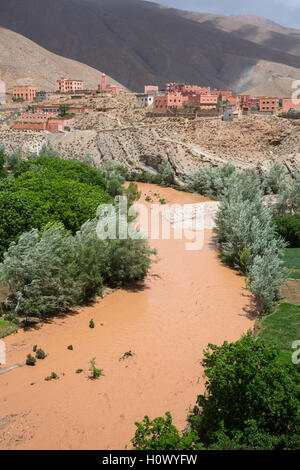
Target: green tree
3 172
48 151
251 400
161 434
64 169
64 108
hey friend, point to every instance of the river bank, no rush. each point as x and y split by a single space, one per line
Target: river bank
188 300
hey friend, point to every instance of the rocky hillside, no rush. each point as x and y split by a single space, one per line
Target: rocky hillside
115 130
24 62
139 42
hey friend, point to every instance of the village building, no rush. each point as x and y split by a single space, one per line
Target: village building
269 105
25 92
195 90
290 103
65 85
170 100
43 95
253 103
203 101
55 109
144 100
151 90
244 99
41 123
224 93
107 88
174 87
234 101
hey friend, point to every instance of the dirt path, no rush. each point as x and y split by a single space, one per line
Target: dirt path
188 300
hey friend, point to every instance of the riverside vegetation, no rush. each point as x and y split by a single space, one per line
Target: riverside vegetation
251 402
252 398
52 259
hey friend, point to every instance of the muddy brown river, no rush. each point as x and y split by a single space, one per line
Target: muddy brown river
188 300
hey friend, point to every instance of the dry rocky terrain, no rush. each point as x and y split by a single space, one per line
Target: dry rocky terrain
115 130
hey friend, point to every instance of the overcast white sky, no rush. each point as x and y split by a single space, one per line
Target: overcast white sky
284 12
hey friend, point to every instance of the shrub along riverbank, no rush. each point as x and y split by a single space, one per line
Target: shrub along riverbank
52 258
258 218
251 402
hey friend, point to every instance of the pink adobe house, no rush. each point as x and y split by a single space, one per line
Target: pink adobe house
289 103
175 87
195 90
58 125
51 125
65 85
27 93
150 89
30 126
252 102
103 87
203 101
234 101
53 109
244 99
224 93
170 100
267 105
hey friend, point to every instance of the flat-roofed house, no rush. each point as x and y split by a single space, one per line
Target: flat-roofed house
144 100
25 92
66 85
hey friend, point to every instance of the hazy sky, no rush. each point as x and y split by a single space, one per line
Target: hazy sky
284 12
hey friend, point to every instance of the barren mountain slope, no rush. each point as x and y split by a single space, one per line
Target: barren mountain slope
24 62
140 42
263 32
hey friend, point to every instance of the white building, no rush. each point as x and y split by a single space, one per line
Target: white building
142 100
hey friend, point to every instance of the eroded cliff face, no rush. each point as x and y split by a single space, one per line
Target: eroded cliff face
115 130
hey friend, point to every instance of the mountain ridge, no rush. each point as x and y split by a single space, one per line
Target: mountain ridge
140 42
22 62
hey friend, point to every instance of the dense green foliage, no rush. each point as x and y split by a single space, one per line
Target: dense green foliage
51 271
214 182
288 227
292 262
251 402
165 175
48 190
161 434
248 239
54 259
7 328
211 181
65 169
3 172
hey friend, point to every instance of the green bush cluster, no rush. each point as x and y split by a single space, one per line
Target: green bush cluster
288 227
210 181
116 172
3 171
66 169
214 182
248 238
50 271
48 190
52 257
251 402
